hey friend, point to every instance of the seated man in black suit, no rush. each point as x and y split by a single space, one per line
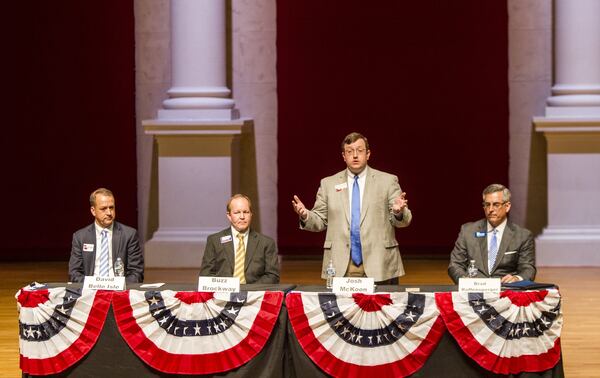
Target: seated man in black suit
96 247
239 251
499 247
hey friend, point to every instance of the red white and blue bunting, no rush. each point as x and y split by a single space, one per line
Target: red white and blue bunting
196 332
507 334
359 335
57 327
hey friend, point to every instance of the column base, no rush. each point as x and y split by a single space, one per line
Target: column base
568 247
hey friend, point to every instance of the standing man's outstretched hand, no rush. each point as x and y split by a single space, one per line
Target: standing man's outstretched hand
299 208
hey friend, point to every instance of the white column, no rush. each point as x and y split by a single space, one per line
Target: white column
576 91
198 137
572 130
198 60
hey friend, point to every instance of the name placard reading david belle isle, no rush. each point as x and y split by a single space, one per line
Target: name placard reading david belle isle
103 283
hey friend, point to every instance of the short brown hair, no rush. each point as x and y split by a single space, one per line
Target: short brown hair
102 191
493 188
239 195
353 137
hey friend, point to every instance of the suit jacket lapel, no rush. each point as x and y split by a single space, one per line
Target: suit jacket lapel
507 236
343 179
251 248
90 262
369 182
228 249
483 248
116 241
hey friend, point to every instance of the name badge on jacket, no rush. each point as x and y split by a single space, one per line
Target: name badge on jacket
88 247
226 239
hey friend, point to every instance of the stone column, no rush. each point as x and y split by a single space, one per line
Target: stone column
198 136
572 130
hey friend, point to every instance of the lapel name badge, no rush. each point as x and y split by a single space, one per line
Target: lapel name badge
88 247
480 234
226 239
340 187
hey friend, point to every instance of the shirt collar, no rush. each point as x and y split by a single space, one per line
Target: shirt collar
500 227
360 175
235 232
100 229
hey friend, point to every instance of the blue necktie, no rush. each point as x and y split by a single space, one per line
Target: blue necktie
493 252
355 247
104 254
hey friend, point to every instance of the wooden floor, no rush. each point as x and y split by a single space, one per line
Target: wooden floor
580 289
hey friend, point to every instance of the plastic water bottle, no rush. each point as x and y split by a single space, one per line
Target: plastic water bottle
330 274
472 269
119 268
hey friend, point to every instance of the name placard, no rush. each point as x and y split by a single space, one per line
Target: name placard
479 285
219 284
345 285
103 283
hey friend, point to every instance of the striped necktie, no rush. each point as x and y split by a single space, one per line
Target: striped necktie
240 257
104 267
493 252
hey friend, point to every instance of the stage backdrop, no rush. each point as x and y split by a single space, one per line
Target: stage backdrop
425 81
69 120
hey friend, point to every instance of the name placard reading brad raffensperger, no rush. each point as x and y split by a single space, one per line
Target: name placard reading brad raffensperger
219 284
103 283
479 285
350 285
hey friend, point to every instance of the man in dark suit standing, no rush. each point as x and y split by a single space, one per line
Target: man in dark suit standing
96 248
239 251
499 247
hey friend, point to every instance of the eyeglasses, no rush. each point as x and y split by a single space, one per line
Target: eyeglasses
352 151
495 205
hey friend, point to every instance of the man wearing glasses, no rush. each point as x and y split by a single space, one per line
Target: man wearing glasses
359 207
499 247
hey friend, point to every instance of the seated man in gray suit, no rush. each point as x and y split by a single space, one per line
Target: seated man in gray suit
96 247
239 251
499 247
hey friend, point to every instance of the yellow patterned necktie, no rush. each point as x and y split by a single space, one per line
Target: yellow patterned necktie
240 256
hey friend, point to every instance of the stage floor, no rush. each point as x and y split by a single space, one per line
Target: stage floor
579 287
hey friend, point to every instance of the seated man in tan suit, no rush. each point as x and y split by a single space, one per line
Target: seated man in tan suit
239 251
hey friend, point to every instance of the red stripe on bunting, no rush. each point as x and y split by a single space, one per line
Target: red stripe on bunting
208 363
338 368
524 298
84 343
31 299
483 356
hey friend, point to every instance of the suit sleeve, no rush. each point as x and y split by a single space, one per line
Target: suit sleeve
135 259
317 216
271 275
459 258
208 267
76 270
526 265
